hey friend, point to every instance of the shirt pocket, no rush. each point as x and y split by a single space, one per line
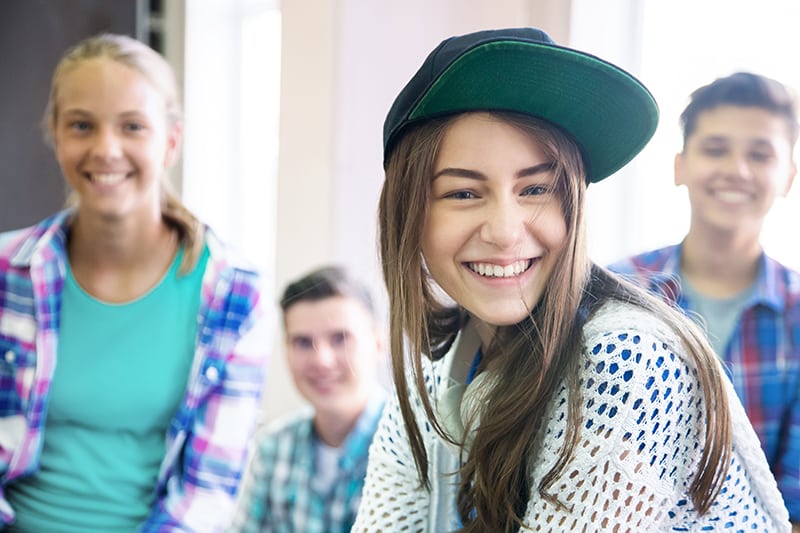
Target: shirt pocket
17 367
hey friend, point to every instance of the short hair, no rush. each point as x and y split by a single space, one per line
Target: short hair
742 89
327 282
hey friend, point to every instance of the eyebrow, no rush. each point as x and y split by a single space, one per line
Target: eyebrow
331 331
473 174
75 111
81 112
715 139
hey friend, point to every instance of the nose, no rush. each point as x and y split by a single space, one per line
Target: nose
737 165
504 224
107 144
324 354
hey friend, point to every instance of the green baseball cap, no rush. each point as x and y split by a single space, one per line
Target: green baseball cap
608 112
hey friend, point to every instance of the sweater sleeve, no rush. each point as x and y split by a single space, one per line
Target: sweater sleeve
640 429
641 438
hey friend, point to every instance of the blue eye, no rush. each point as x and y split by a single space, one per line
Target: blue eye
338 339
536 190
134 127
80 125
303 343
715 151
760 157
461 195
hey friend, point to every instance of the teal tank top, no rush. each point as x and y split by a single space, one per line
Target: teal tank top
121 374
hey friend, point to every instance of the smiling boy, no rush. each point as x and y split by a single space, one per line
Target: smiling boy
308 469
739 134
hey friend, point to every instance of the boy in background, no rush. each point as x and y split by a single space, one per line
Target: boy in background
307 471
739 134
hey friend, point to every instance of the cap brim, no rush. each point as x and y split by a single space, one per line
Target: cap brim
609 113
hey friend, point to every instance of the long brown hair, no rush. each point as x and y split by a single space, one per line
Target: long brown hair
531 359
155 69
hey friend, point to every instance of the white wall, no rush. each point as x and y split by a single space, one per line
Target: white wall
343 62
673 48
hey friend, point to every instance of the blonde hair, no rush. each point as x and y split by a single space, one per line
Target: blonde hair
531 359
155 69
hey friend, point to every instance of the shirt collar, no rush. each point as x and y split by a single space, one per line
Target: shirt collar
45 240
358 440
768 288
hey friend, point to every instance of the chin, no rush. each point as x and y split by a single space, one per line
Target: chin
507 316
506 322
499 320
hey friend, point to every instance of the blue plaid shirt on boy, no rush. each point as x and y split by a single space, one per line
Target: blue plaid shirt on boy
277 494
762 357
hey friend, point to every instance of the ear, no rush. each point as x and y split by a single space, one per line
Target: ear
51 131
380 343
174 138
790 179
678 169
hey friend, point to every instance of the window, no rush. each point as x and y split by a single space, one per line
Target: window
675 47
232 83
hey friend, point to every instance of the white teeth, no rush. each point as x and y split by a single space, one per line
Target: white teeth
497 271
732 196
108 178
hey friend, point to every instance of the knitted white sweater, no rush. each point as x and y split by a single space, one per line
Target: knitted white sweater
642 435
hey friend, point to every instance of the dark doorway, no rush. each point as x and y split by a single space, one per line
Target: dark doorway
33 35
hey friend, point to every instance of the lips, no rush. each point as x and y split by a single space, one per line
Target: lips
491 270
323 381
323 386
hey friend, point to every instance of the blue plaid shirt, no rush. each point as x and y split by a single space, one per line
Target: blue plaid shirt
762 357
277 494
206 442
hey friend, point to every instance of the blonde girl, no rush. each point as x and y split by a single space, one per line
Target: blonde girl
132 339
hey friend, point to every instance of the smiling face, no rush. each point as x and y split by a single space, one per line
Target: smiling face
112 139
333 350
495 224
734 164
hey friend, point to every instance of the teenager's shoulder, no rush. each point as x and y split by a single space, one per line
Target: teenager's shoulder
18 245
11 243
629 337
634 365
228 257
294 425
619 317
786 279
652 261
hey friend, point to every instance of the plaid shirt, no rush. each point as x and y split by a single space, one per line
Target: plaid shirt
762 356
206 441
277 496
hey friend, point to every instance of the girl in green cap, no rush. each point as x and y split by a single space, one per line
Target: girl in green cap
534 389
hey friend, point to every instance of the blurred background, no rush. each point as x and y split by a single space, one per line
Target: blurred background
285 101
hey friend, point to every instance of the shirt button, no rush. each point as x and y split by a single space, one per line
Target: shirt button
212 374
10 356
